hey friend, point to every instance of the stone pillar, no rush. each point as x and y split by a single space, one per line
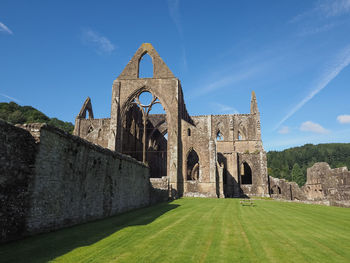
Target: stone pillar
212 158
221 181
235 174
264 175
174 151
115 123
76 130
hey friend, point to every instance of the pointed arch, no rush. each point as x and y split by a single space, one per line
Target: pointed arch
276 190
90 129
239 136
87 107
160 69
145 66
219 136
242 133
129 102
192 165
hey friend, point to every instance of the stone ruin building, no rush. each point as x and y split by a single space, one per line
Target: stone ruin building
209 156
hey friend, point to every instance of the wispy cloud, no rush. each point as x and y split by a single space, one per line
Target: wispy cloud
322 17
4 28
342 61
310 126
343 119
184 57
284 130
101 43
173 6
174 12
225 109
318 29
225 81
323 10
332 8
10 98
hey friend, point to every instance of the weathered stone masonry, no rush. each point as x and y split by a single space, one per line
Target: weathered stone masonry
61 180
323 186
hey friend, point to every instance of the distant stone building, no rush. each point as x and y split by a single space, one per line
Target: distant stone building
328 185
323 186
209 156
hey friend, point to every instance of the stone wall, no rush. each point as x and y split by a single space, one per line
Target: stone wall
67 180
282 189
257 163
197 138
17 158
159 191
323 186
93 130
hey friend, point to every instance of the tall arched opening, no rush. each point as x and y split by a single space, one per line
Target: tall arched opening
167 88
192 166
144 130
246 174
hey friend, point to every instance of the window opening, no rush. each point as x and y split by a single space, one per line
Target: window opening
219 136
192 166
146 66
246 174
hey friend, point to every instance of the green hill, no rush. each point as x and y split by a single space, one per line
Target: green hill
291 164
16 114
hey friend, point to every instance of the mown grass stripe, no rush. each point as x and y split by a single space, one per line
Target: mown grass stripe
198 230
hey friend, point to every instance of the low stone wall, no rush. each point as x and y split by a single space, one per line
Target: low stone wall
281 189
159 191
68 180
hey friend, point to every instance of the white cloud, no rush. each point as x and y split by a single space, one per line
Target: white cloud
343 119
225 108
103 44
310 126
284 130
4 28
11 98
342 61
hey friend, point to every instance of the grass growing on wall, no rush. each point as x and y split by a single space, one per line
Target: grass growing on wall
199 230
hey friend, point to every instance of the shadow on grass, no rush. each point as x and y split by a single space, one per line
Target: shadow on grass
48 246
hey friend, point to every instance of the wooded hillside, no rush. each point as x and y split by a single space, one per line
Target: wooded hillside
291 164
16 114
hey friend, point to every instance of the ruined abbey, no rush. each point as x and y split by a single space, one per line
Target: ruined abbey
211 156
50 179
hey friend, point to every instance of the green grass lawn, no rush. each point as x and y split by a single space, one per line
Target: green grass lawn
198 230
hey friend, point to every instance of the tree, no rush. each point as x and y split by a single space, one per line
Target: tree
16 117
281 164
297 175
14 113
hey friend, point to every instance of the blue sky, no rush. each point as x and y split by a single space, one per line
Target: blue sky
294 54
